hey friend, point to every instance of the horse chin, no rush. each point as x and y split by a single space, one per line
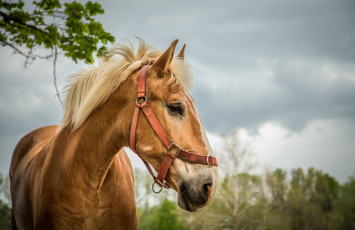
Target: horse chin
185 204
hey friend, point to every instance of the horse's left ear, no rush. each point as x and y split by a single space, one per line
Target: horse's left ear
181 55
160 67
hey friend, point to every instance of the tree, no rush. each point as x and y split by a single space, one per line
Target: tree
145 197
5 188
277 217
69 28
162 217
239 202
5 215
311 201
5 210
347 203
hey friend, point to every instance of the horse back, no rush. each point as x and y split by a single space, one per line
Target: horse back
37 138
24 154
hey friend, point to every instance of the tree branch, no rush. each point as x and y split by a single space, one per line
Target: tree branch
27 61
17 50
8 18
55 76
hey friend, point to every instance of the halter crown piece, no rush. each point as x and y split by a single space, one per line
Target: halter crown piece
173 150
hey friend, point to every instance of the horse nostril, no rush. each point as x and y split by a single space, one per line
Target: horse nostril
206 187
182 188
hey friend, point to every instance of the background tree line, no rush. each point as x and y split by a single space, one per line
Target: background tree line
296 200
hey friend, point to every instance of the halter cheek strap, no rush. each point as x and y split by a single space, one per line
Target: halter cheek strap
173 150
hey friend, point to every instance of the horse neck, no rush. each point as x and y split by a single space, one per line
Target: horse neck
91 149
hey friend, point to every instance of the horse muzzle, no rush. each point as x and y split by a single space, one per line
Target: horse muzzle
196 193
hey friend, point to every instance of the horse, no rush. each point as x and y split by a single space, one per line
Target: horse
76 175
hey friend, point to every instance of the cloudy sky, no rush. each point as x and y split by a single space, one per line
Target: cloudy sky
281 73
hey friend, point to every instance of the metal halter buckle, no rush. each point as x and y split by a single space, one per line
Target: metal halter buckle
161 186
178 149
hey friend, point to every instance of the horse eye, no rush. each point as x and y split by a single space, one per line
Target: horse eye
176 109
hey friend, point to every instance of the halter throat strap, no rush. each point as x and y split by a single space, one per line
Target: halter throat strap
173 150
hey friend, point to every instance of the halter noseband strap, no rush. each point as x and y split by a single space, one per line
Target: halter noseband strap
173 149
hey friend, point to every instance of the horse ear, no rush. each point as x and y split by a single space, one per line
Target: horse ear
160 67
182 53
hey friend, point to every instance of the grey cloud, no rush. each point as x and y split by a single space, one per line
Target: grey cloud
27 98
294 93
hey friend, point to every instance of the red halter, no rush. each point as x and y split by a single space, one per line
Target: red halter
159 131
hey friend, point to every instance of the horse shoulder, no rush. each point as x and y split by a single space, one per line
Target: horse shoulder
118 208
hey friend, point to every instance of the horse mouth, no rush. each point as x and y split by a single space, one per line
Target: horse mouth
184 202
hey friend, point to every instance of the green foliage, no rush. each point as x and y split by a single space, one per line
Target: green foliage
307 200
5 210
277 205
160 218
347 203
312 199
70 26
239 204
5 216
5 188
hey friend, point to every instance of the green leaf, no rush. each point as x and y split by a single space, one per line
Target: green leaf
73 29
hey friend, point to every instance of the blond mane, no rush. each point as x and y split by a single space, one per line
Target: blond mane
91 87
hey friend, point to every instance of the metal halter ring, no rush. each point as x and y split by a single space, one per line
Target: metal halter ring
161 186
208 157
144 99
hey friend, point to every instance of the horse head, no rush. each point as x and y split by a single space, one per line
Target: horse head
174 108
